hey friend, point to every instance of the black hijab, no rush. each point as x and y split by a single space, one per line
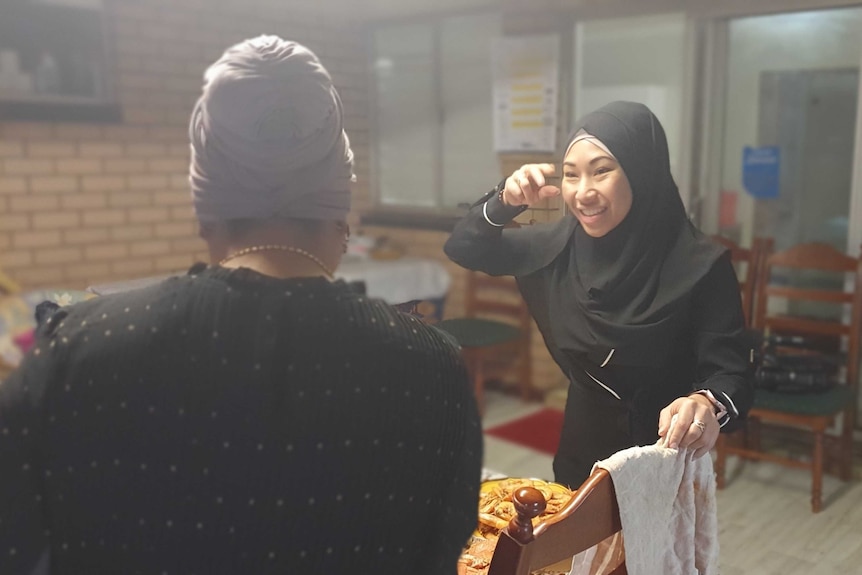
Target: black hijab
628 291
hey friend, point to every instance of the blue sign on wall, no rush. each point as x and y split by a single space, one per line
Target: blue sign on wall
760 169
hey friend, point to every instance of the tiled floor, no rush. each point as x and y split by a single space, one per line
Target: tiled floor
765 522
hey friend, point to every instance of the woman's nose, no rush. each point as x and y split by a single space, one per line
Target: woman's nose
584 191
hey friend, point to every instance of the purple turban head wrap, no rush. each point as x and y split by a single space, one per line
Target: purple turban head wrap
267 137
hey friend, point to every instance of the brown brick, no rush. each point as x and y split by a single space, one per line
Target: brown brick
34 203
100 149
54 184
5 242
151 248
12 222
124 166
176 198
175 263
187 246
86 236
176 229
138 232
106 252
148 215
27 130
183 213
37 239
148 182
126 133
147 150
28 167
133 268
103 183
12 185
182 150
40 277
51 150
88 271
170 166
180 182
131 200
16 258
169 135
79 166
58 256
11 149
84 201
143 116
55 220
104 217
79 132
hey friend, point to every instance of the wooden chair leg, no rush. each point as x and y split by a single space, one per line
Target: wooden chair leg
720 461
752 434
846 464
817 472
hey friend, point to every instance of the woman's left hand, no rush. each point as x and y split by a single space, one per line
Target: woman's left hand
696 426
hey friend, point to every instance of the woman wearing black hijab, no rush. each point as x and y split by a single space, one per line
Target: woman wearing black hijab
636 306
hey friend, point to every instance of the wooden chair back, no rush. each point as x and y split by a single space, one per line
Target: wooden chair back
591 517
498 299
824 258
814 412
747 263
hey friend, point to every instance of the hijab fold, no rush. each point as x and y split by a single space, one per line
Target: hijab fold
267 137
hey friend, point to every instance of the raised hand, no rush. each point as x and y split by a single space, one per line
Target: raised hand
528 185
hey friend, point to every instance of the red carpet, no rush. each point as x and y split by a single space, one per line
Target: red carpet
539 431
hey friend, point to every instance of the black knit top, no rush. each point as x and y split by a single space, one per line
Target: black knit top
228 422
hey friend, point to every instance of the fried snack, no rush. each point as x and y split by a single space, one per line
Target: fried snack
496 508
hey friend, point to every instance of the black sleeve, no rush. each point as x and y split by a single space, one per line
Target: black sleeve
22 526
479 241
722 344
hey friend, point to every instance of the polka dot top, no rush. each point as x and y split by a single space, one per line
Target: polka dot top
228 422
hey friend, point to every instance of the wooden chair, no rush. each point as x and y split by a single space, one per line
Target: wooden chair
495 333
589 518
813 412
747 262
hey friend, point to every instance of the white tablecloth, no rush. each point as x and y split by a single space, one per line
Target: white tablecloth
398 281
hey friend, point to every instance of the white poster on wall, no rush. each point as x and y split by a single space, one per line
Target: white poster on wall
526 86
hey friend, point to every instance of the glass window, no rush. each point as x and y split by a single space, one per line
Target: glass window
434 141
640 59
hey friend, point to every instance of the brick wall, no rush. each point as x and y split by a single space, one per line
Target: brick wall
87 204
84 204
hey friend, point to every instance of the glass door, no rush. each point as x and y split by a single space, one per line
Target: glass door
788 132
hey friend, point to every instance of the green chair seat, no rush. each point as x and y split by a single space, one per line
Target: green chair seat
826 403
477 332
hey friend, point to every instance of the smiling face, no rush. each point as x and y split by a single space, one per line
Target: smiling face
595 188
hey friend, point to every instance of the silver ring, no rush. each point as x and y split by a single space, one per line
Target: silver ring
700 424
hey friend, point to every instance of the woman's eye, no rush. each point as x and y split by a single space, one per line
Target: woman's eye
603 170
570 175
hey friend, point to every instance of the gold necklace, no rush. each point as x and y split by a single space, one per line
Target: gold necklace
281 248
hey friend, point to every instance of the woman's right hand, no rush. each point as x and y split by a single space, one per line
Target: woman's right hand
528 185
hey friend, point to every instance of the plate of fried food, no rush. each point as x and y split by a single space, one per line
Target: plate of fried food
496 509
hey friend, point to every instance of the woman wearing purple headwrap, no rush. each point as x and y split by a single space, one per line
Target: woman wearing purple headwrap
252 416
